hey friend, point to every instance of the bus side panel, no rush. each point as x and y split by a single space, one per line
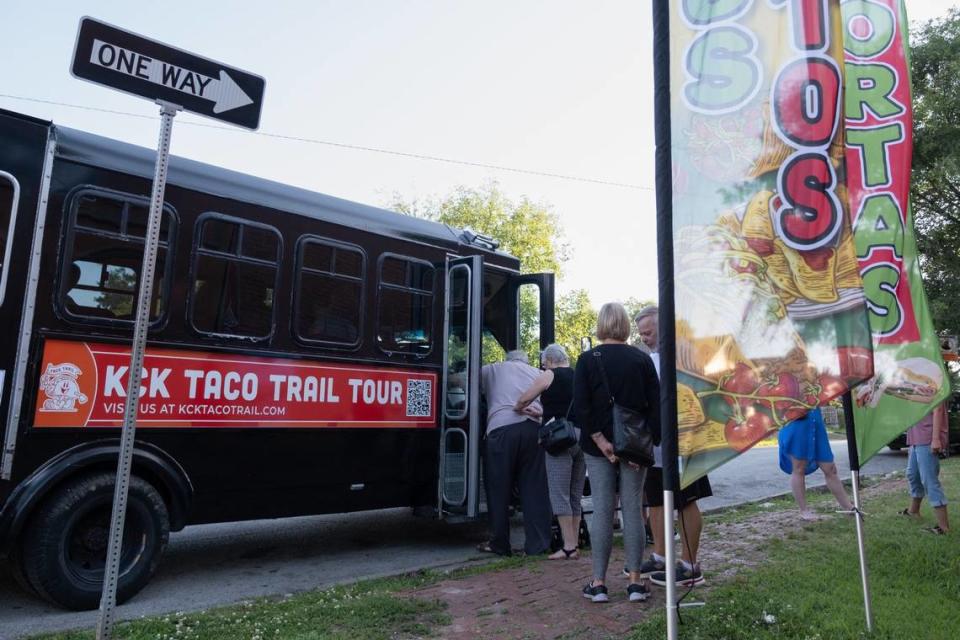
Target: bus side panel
22 148
250 473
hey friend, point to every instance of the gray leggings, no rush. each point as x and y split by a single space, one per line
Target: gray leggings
603 490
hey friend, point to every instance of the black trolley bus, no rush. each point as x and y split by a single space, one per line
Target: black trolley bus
306 355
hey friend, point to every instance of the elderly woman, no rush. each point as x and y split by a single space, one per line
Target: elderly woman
566 471
614 371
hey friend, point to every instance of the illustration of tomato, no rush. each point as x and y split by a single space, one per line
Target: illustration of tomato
782 385
741 434
794 412
743 380
830 387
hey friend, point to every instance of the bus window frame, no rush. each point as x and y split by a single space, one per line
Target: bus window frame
197 251
71 205
302 241
432 293
11 226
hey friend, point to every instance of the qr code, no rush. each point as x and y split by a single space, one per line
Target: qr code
419 393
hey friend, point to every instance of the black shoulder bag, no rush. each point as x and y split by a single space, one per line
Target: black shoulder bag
632 439
557 435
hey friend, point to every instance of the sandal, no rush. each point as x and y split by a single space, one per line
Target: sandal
565 554
906 512
936 530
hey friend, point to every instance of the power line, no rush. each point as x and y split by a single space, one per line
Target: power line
354 147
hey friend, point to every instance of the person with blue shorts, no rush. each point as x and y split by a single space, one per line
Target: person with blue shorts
804 446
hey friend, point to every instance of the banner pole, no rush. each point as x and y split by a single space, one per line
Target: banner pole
667 346
858 514
108 599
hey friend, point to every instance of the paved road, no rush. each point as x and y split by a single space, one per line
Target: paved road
210 565
766 479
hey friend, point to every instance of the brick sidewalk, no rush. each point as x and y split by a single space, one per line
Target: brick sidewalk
538 601
542 599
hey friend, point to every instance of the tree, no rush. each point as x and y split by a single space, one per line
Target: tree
575 319
935 190
527 230
633 306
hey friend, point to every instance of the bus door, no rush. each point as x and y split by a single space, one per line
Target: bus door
461 423
532 297
26 156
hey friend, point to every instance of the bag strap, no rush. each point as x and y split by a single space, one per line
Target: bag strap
603 375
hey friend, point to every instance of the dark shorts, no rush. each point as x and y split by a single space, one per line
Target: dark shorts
653 490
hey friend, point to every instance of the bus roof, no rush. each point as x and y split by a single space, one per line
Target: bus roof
98 151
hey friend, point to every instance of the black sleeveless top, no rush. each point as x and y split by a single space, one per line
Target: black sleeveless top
556 399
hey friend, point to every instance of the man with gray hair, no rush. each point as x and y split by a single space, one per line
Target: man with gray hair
513 455
690 518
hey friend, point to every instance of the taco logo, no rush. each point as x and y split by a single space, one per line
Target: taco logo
59 383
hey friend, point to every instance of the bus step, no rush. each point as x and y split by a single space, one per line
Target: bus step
455 478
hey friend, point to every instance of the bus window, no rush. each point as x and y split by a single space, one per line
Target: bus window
234 277
405 305
498 323
328 296
103 256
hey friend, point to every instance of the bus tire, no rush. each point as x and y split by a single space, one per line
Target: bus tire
65 544
15 567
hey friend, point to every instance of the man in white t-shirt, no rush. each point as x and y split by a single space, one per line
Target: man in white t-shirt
513 455
690 518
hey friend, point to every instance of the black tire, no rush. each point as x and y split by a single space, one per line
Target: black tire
65 545
15 566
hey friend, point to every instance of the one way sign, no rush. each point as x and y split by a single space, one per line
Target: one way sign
133 64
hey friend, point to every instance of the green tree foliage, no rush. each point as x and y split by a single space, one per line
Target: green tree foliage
935 192
527 230
575 319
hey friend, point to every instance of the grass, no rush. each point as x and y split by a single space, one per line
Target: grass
362 610
369 609
810 586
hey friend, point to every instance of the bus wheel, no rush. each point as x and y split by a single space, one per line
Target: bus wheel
15 566
65 545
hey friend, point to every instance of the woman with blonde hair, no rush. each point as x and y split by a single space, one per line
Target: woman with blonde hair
612 372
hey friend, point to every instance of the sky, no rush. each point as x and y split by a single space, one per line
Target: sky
550 86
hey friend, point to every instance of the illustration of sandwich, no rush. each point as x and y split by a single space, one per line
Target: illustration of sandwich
914 379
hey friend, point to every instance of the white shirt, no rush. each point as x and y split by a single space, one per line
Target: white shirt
657 455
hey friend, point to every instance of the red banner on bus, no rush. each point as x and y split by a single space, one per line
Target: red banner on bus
83 384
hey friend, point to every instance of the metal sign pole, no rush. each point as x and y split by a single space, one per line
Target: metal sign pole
670 560
854 456
861 549
108 599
